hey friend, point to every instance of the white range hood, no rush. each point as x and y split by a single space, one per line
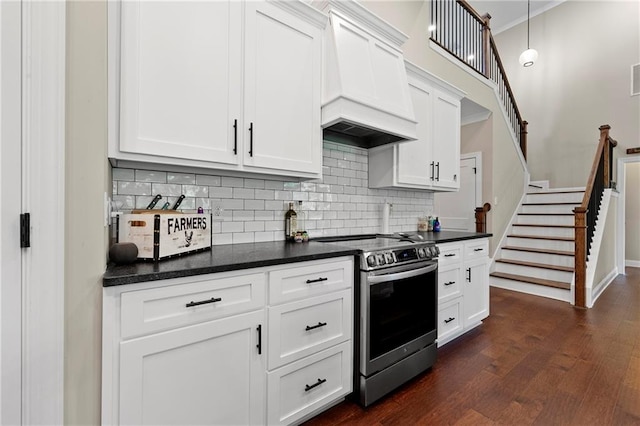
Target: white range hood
366 99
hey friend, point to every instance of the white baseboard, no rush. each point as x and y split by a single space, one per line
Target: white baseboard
601 286
632 263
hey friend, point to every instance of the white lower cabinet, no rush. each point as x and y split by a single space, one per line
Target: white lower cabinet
211 350
463 287
209 373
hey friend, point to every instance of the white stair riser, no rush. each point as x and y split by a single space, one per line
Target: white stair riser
549 208
545 220
541 244
538 290
528 271
546 258
559 197
542 231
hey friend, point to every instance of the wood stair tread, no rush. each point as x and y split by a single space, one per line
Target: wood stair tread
546 214
542 237
531 280
537 250
544 225
555 192
536 265
567 203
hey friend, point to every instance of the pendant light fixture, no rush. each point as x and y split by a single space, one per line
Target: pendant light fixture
529 56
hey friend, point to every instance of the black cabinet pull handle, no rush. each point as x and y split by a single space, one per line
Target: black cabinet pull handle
235 136
251 139
432 165
259 345
449 254
469 274
447 321
307 388
478 249
438 171
317 280
450 283
204 302
312 327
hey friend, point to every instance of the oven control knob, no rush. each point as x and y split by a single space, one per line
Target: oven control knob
421 253
435 250
371 260
381 260
389 258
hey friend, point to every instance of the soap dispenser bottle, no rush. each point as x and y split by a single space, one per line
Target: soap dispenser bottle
436 225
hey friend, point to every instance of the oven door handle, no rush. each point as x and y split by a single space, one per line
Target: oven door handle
376 279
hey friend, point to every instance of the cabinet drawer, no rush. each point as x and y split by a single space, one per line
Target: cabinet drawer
300 328
299 388
449 282
476 249
450 321
450 253
157 309
310 279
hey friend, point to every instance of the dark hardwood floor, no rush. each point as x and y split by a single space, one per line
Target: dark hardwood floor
533 361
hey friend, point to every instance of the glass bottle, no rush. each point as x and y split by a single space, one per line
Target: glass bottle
290 223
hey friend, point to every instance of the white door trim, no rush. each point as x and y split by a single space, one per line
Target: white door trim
43 129
478 157
10 209
620 231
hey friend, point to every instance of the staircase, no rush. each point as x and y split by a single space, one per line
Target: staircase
538 255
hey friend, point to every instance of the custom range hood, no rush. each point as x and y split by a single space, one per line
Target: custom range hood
366 99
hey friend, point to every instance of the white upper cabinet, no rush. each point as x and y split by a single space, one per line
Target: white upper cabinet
223 85
433 160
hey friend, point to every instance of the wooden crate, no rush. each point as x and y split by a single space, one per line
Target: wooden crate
160 234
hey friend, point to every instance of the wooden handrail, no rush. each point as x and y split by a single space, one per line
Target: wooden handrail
584 221
465 34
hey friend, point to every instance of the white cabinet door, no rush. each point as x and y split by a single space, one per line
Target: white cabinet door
209 373
476 292
282 91
180 79
446 141
415 157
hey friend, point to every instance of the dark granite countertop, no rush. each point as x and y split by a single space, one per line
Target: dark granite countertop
223 258
445 236
233 257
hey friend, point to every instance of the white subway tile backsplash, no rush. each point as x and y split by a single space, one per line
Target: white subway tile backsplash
151 176
253 209
181 178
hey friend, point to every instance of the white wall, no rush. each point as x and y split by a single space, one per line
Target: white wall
632 214
580 81
87 177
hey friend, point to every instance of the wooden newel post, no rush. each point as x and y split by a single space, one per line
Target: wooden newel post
486 46
481 217
523 138
604 135
580 258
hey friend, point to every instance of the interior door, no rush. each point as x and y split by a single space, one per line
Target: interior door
456 210
10 207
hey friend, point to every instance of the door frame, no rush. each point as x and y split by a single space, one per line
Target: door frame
620 228
10 200
42 149
478 158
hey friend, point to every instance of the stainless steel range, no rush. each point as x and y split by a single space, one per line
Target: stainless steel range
396 318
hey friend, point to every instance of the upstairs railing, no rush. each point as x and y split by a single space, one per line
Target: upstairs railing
461 31
587 213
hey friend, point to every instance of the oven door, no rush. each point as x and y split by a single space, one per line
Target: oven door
398 314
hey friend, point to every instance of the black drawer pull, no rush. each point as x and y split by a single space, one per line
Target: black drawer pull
447 321
259 345
478 249
307 388
449 254
450 283
312 327
204 302
317 280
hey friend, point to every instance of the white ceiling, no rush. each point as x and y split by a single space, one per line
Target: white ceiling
508 13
